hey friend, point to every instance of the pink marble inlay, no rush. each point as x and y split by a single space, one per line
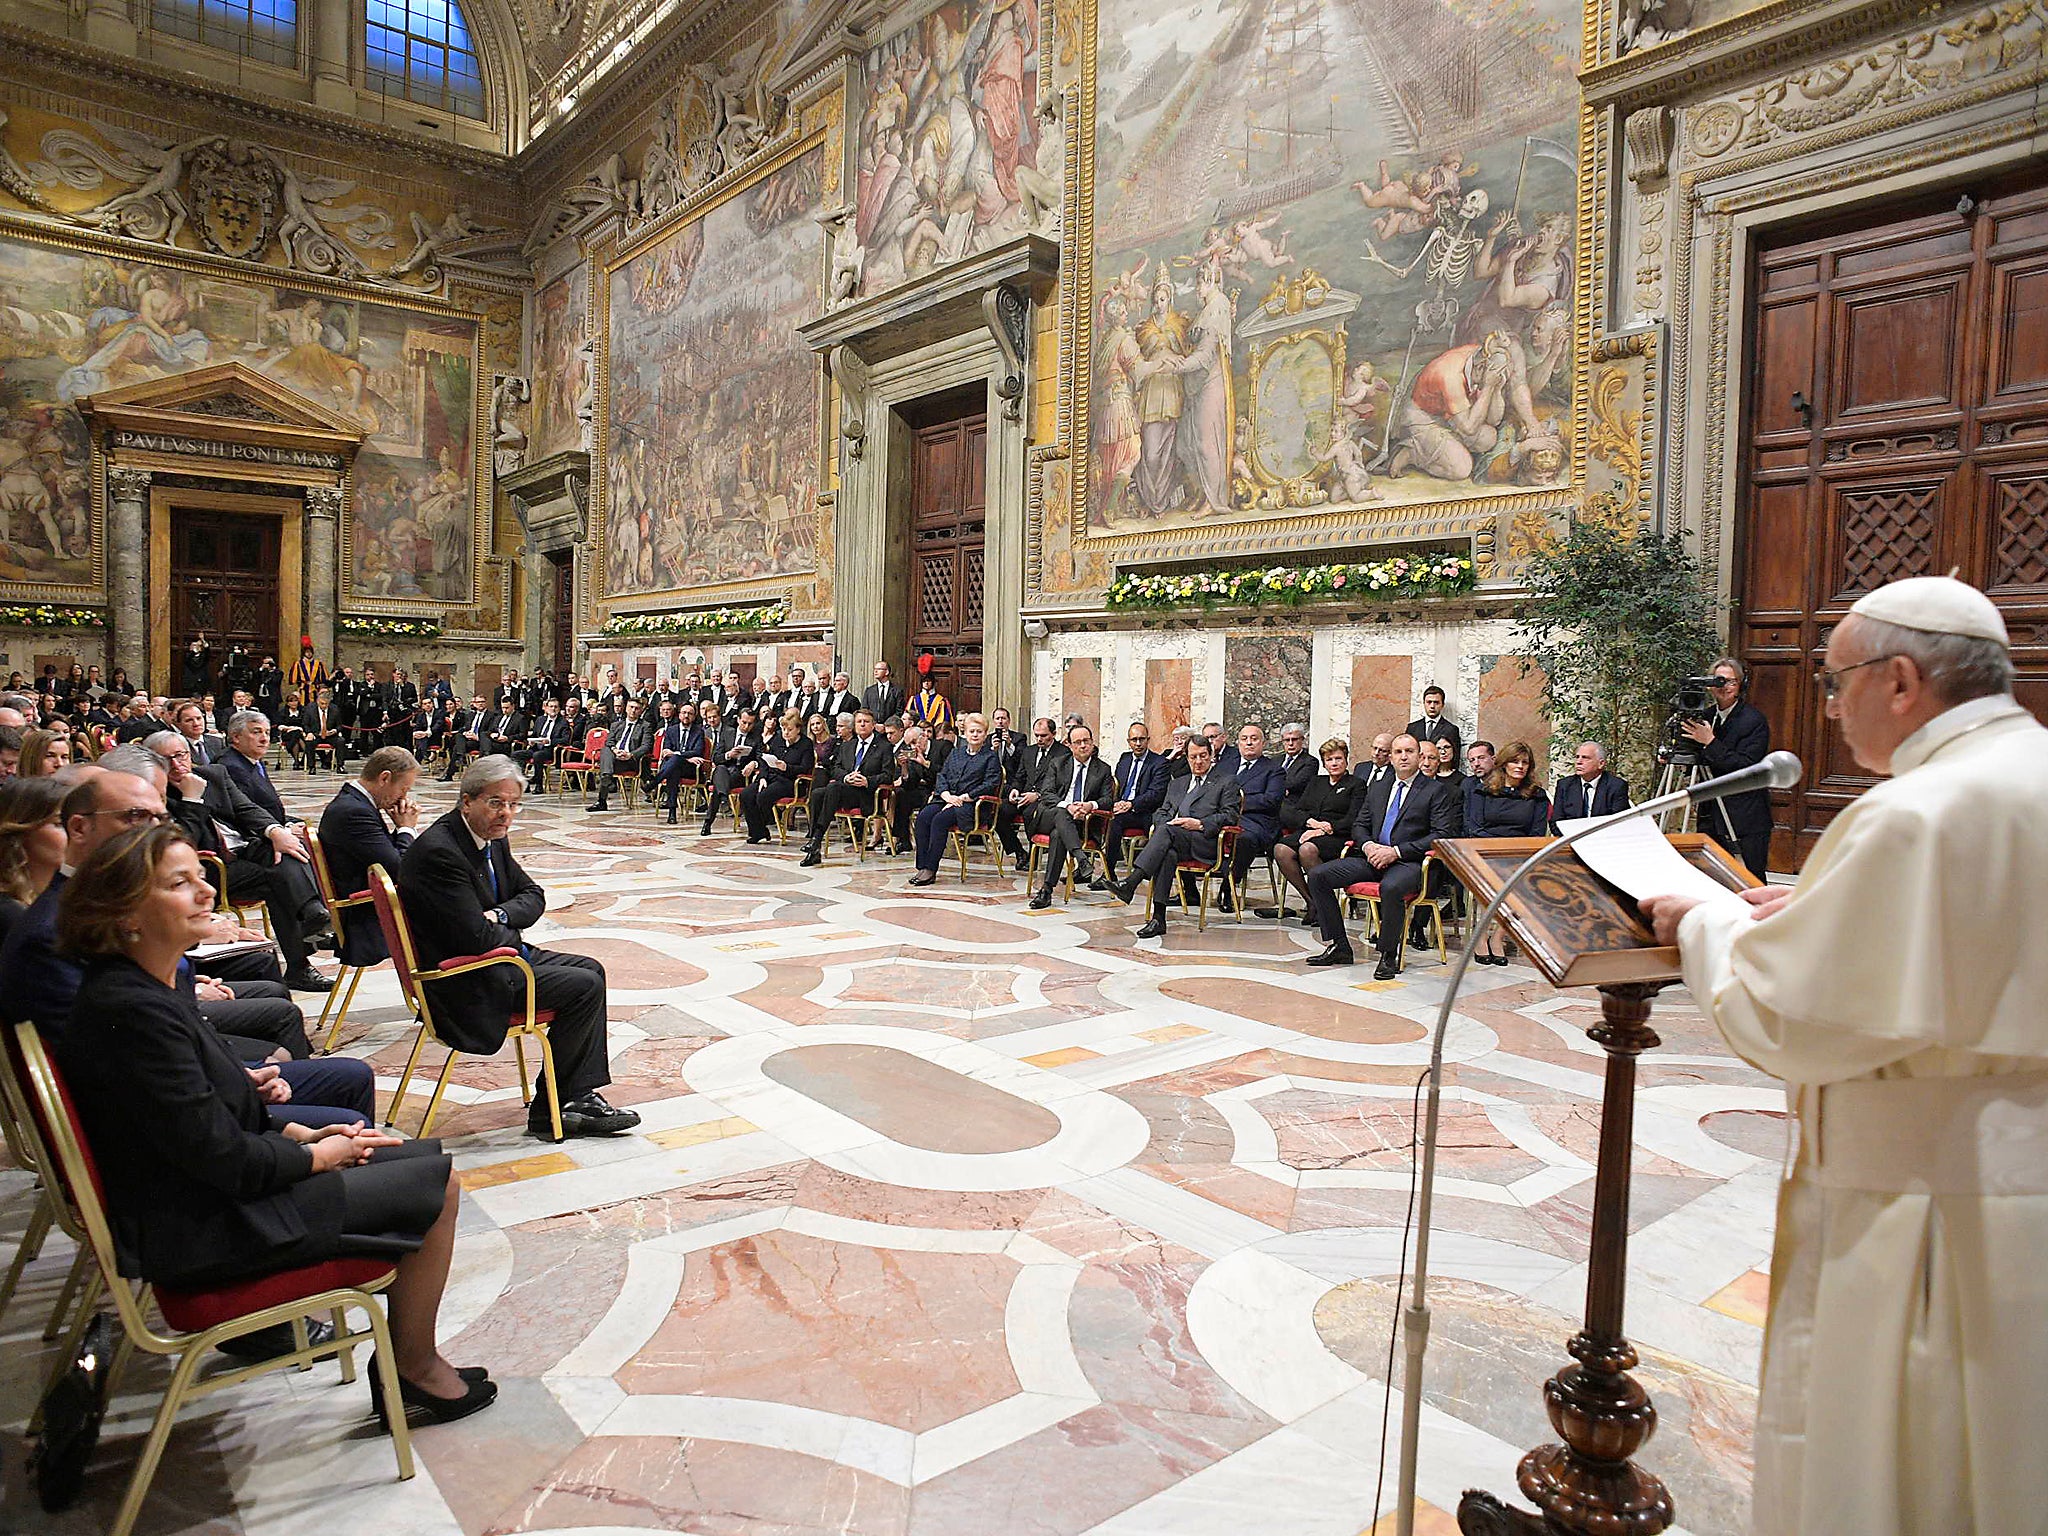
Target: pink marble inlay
913 1101
909 1339
964 988
1382 698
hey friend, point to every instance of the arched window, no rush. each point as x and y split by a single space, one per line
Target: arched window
264 30
420 49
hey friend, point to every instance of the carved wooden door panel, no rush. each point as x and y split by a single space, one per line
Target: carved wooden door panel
948 535
1897 425
224 575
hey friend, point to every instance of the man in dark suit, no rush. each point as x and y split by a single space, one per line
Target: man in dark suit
371 821
680 750
373 705
1435 725
1185 826
1589 789
1262 784
1041 765
465 894
917 769
504 730
1083 788
628 747
321 725
1379 765
1399 820
547 736
1140 786
404 709
266 860
839 699
1297 763
464 736
1004 741
248 746
1737 737
207 747
860 767
882 696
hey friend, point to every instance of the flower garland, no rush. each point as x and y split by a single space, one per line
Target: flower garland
48 616
389 629
1401 576
695 621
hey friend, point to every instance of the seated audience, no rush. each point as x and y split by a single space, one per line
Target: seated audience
464 737
321 730
782 760
681 751
201 1188
1589 789
1186 826
545 739
370 821
1315 824
31 842
1508 802
1083 789
1381 764
1140 786
1297 763
1040 763
1262 787
915 775
465 894
1399 819
191 721
732 756
1177 751
504 726
859 768
43 752
244 762
968 773
264 858
290 729
626 750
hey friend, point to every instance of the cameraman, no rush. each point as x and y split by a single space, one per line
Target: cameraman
1736 736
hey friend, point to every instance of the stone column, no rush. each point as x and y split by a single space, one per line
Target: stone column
128 565
108 25
323 542
333 56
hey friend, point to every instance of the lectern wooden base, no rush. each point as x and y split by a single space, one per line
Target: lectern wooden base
1576 929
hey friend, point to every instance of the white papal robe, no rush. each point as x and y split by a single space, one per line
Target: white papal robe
1902 994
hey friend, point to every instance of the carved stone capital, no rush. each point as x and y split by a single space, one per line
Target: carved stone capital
127 484
1651 134
324 501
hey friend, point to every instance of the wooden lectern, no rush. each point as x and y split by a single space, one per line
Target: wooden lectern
1578 930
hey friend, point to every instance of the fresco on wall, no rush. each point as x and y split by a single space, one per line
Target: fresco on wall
711 456
1333 255
559 365
950 120
74 323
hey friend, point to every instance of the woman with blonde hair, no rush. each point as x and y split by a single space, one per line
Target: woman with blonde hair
201 1190
43 752
783 761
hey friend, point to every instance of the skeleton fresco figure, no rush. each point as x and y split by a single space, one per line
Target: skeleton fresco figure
1447 259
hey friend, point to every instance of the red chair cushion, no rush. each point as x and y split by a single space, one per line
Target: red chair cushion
490 954
193 1311
540 1016
1042 839
1369 889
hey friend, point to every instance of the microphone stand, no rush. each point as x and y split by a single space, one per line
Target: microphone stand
1415 1316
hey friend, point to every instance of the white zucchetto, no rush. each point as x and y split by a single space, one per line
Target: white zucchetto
1938 605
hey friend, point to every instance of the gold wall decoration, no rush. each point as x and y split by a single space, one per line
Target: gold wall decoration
1620 439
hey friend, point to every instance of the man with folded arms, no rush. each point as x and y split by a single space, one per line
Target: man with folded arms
465 895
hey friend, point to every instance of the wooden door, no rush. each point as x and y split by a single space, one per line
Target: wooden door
560 610
948 534
1897 425
224 578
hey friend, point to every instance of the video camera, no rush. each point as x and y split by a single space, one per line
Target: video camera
1694 700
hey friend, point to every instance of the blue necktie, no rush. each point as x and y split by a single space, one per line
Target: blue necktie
1393 813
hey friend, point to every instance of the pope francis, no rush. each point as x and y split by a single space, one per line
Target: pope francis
1901 991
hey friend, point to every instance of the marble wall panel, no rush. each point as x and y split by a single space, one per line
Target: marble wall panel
1266 679
1382 688
1081 690
1169 695
1511 704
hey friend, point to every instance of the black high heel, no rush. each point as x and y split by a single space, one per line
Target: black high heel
480 1394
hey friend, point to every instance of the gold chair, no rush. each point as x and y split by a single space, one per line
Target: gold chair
983 826
533 1021
1439 890
786 809
29 1150
1093 825
336 905
217 874
1219 869
200 1319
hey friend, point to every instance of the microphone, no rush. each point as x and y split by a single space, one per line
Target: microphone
1780 770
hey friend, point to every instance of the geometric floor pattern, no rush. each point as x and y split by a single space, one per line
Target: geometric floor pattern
949 1217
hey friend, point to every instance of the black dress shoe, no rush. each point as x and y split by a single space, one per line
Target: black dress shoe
1271 912
811 859
269 1343
1156 929
1386 970
597 806
1104 885
587 1116
481 1393
1040 900
1123 890
306 979
1335 954
924 877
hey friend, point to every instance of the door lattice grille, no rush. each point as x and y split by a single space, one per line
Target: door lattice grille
2022 533
1887 534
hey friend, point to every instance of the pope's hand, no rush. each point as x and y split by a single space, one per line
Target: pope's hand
1666 913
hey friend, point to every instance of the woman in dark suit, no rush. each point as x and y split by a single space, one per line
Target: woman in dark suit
200 1189
31 842
1509 803
1314 824
782 760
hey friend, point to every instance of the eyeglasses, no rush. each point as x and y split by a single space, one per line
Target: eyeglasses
499 803
1830 678
136 816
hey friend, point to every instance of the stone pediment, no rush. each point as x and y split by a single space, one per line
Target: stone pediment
227 398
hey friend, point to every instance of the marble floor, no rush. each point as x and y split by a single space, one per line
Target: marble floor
949 1217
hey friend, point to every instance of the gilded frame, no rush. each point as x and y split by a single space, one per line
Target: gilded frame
38 230
1294 491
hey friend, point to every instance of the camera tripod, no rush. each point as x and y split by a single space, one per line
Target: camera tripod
1683 773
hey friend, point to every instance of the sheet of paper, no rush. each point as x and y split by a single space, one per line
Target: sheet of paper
1633 854
200 953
